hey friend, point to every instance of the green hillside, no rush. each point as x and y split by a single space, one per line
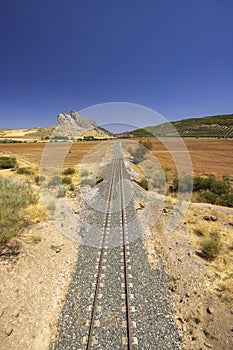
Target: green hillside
210 126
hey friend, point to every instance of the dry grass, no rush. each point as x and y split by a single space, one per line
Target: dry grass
35 213
220 261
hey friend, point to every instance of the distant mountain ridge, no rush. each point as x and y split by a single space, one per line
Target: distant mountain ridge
73 126
209 126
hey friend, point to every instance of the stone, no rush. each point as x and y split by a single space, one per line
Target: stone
210 310
74 126
56 248
8 330
210 218
206 217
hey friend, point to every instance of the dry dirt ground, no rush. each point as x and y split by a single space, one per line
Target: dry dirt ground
202 290
34 282
209 156
33 287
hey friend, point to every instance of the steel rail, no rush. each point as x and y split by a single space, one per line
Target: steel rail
127 302
90 334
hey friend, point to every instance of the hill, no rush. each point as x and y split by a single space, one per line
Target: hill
209 126
70 126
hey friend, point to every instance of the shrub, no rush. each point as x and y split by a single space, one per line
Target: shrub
226 200
15 197
7 162
71 187
25 171
139 154
211 246
69 171
66 180
208 197
147 144
55 181
51 207
39 179
84 173
183 184
210 184
144 184
61 192
36 239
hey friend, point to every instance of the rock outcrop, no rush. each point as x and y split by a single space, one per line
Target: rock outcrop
73 126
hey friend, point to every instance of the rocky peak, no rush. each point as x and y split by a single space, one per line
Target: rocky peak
73 126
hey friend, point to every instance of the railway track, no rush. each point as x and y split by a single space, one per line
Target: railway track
115 300
116 180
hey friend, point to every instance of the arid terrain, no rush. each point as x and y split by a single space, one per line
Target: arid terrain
201 290
209 156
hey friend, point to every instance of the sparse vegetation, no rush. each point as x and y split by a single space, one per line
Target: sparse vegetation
184 184
36 239
71 187
69 171
25 171
55 181
139 154
15 197
7 162
207 189
144 184
147 143
211 246
66 180
61 192
39 179
51 207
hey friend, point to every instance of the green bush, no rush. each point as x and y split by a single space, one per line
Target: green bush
71 187
210 184
66 181
61 192
15 197
7 162
39 179
183 184
69 171
144 184
25 171
211 246
208 197
55 181
226 200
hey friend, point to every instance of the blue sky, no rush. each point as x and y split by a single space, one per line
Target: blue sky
172 56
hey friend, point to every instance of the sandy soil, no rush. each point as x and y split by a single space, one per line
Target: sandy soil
201 290
33 287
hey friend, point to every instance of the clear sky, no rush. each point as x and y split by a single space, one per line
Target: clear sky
174 56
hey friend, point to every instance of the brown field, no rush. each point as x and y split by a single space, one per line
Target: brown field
209 156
